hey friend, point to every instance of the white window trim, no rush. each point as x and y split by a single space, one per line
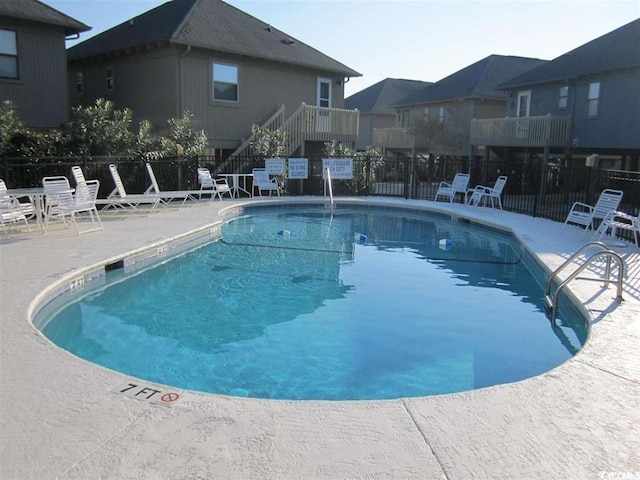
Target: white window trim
563 97
319 83
213 82
524 94
12 55
593 100
404 118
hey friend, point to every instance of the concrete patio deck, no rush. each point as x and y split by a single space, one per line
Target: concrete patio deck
61 419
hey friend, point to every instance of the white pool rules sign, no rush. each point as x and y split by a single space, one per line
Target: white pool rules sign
298 168
340 168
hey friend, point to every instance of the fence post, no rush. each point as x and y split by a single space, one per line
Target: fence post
368 176
180 181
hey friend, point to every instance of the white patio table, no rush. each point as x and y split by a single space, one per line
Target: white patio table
235 182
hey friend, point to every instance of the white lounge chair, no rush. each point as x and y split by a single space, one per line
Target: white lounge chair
460 184
154 188
615 221
481 193
67 204
262 182
584 215
212 186
120 198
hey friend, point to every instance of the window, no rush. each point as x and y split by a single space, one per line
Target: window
404 119
563 97
111 80
79 83
8 54
425 114
441 115
324 92
594 97
225 82
524 103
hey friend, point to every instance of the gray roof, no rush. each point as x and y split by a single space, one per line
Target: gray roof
36 11
379 97
210 24
479 80
616 50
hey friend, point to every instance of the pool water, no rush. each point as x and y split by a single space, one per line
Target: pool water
291 303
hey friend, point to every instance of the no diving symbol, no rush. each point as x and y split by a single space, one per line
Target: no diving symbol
148 393
170 397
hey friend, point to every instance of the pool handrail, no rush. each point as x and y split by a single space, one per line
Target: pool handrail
328 186
551 301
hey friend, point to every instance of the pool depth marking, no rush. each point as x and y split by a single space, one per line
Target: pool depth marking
148 394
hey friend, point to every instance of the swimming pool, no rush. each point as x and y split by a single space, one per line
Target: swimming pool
299 303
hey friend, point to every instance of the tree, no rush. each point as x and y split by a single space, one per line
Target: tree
182 133
268 143
40 143
99 130
10 125
337 149
151 147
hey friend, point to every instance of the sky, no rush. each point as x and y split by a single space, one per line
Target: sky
423 40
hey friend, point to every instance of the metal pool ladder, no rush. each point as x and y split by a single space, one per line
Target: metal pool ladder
328 186
551 301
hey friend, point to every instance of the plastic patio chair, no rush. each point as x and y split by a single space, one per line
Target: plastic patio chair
481 193
78 175
11 203
615 221
584 215
12 211
213 186
262 182
460 184
69 205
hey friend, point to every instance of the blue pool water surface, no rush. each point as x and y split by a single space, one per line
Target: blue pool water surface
292 303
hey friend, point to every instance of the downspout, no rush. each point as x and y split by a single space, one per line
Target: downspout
179 95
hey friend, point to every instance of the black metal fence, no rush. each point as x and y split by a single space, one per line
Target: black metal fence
532 188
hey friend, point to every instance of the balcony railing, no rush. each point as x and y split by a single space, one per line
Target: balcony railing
522 132
310 123
326 124
393 138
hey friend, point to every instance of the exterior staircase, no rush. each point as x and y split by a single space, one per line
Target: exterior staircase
307 123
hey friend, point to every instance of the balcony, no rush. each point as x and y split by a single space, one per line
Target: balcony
543 131
310 123
326 124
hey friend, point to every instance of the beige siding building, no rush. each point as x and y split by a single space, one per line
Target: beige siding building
437 118
228 68
33 70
